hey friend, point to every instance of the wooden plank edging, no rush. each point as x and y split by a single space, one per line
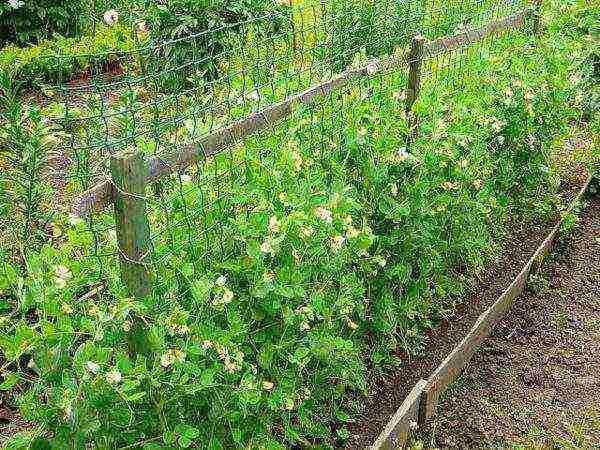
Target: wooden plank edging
102 193
426 393
406 418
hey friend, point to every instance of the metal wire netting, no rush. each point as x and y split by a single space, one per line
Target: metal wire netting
168 97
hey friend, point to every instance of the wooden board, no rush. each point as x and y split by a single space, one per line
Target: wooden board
395 434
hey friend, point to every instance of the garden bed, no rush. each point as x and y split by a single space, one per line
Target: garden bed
540 364
391 391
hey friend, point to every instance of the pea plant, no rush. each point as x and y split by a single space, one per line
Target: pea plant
289 270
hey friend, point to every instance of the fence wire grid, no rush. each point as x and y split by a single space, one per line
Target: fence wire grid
167 96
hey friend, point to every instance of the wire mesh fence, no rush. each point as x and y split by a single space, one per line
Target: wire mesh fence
167 97
258 159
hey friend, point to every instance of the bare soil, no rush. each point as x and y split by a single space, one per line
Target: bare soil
535 383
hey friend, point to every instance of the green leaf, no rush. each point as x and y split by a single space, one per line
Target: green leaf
10 381
169 437
201 289
184 441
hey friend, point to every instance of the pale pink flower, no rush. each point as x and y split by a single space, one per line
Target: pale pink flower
111 17
266 247
324 214
337 242
114 377
274 226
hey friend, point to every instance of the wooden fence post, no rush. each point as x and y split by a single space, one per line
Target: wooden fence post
415 62
129 170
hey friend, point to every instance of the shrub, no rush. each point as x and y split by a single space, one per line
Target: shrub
351 25
190 35
61 59
27 21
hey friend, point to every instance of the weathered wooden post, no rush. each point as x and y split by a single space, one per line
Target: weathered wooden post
415 62
129 170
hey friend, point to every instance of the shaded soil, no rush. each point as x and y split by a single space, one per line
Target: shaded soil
535 383
388 393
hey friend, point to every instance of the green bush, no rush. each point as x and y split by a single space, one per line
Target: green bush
351 26
61 59
27 21
190 35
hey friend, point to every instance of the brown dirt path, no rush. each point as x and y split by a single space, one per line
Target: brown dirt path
535 383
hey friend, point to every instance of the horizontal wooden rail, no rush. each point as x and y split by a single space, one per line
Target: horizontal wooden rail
102 194
425 395
467 37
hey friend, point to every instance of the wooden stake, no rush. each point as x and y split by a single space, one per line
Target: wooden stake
129 177
129 172
415 61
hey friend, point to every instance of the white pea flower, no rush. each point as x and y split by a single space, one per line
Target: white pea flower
114 377
324 214
268 277
266 247
62 275
381 261
74 219
143 27
267 385
167 359
307 231
337 242
274 225
15 4
230 365
255 95
111 17
92 367
221 280
372 68
227 296
402 154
